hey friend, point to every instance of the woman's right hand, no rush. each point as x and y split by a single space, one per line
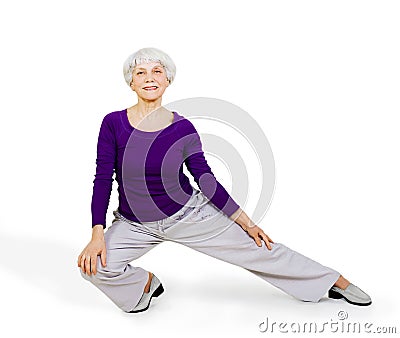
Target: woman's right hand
87 260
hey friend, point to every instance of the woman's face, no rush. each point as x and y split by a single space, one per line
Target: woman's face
149 80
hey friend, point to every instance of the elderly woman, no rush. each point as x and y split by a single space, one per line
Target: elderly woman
146 145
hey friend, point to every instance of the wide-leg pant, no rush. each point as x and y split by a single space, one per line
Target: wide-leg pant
200 225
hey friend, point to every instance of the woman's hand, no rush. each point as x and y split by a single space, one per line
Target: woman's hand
241 218
258 234
87 260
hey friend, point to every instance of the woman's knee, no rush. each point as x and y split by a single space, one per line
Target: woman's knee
102 272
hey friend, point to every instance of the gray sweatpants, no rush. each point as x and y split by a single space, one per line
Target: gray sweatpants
200 225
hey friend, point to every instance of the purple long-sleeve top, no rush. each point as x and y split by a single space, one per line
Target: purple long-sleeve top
148 167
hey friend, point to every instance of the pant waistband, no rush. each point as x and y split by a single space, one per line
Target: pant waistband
190 203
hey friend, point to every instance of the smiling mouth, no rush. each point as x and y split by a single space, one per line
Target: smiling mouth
150 88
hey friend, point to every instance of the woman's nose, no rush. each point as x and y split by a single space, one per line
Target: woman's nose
149 77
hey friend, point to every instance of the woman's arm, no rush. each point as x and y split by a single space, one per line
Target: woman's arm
102 186
214 191
197 165
241 218
105 168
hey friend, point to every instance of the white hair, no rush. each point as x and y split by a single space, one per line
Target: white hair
146 55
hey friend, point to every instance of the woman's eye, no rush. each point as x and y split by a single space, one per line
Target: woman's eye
158 71
139 73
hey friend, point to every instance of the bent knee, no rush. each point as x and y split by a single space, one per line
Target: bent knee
83 274
102 273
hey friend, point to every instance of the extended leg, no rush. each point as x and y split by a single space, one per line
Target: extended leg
284 268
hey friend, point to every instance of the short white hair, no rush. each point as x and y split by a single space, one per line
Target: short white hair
146 55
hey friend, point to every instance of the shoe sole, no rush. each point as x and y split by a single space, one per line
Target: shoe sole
156 293
337 295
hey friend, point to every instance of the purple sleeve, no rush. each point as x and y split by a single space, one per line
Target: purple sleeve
105 167
203 176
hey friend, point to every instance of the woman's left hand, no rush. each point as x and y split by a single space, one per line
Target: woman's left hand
241 218
258 234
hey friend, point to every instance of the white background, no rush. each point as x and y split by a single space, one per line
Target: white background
320 77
